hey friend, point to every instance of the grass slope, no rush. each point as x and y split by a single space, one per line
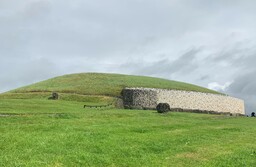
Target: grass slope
37 132
105 84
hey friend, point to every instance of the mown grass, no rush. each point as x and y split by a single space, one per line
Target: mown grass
105 84
41 132
87 99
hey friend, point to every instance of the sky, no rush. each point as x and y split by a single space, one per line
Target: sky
203 42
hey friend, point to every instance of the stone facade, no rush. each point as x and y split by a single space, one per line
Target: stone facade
140 98
148 98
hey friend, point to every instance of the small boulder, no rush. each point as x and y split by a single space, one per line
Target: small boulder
163 107
55 96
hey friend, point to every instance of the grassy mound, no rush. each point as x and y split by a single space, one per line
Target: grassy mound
105 84
36 131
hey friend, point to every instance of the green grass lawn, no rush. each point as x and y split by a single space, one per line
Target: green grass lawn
40 132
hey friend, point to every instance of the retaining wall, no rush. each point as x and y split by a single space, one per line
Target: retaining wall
148 98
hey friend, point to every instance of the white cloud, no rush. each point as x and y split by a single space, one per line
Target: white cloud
219 87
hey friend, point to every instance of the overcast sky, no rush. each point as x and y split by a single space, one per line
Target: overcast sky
211 43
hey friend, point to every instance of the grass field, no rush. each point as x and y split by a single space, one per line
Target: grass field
36 131
40 132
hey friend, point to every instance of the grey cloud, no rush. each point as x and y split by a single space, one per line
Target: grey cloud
204 77
99 29
186 63
15 73
238 54
244 84
244 87
241 59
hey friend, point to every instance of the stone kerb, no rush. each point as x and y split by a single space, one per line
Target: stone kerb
148 98
135 98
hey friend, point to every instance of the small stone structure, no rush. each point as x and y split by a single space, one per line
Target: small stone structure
148 98
55 96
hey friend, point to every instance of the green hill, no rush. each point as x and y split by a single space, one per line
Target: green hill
104 84
39 132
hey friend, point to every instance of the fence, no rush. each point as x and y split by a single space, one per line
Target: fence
98 106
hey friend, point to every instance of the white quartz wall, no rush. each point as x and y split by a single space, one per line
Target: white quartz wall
200 101
186 100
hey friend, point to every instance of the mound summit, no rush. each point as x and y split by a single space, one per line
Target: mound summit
105 84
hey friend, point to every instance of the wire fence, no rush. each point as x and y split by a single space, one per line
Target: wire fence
98 106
